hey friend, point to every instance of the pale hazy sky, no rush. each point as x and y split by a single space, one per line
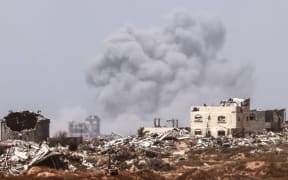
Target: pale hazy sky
46 46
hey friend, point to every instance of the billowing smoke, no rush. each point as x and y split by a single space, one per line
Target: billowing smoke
165 70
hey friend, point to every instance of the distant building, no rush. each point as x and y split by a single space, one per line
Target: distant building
88 129
25 125
234 117
158 128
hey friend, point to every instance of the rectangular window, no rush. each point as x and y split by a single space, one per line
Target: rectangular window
195 109
268 116
221 133
198 118
252 117
198 132
221 119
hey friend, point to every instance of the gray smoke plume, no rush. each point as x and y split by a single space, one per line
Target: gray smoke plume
167 69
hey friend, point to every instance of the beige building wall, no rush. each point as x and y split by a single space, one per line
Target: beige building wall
225 119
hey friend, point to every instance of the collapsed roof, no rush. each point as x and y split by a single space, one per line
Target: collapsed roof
18 121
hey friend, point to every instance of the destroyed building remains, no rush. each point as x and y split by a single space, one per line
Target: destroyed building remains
88 129
166 150
168 125
234 118
25 125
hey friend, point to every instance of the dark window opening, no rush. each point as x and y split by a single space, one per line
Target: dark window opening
221 133
252 117
221 119
198 132
268 116
198 118
195 109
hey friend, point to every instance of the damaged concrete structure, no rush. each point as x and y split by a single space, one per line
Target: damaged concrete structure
226 119
158 128
270 120
234 118
24 125
88 129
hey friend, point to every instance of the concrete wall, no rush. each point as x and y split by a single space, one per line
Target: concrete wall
206 119
42 130
38 134
226 118
239 119
269 120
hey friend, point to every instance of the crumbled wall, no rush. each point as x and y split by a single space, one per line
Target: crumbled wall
25 125
270 120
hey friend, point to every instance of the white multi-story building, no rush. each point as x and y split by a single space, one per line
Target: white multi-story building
88 129
234 117
229 118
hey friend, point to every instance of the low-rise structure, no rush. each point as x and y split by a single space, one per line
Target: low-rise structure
234 118
270 120
158 128
25 125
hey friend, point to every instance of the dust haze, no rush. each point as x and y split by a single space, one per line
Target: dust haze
162 71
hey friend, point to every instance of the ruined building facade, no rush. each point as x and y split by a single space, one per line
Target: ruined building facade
25 125
162 128
88 129
271 120
234 117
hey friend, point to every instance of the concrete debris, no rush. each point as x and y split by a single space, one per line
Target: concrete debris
114 154
21 155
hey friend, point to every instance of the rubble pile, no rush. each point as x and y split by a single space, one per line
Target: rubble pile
171 154
21 155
